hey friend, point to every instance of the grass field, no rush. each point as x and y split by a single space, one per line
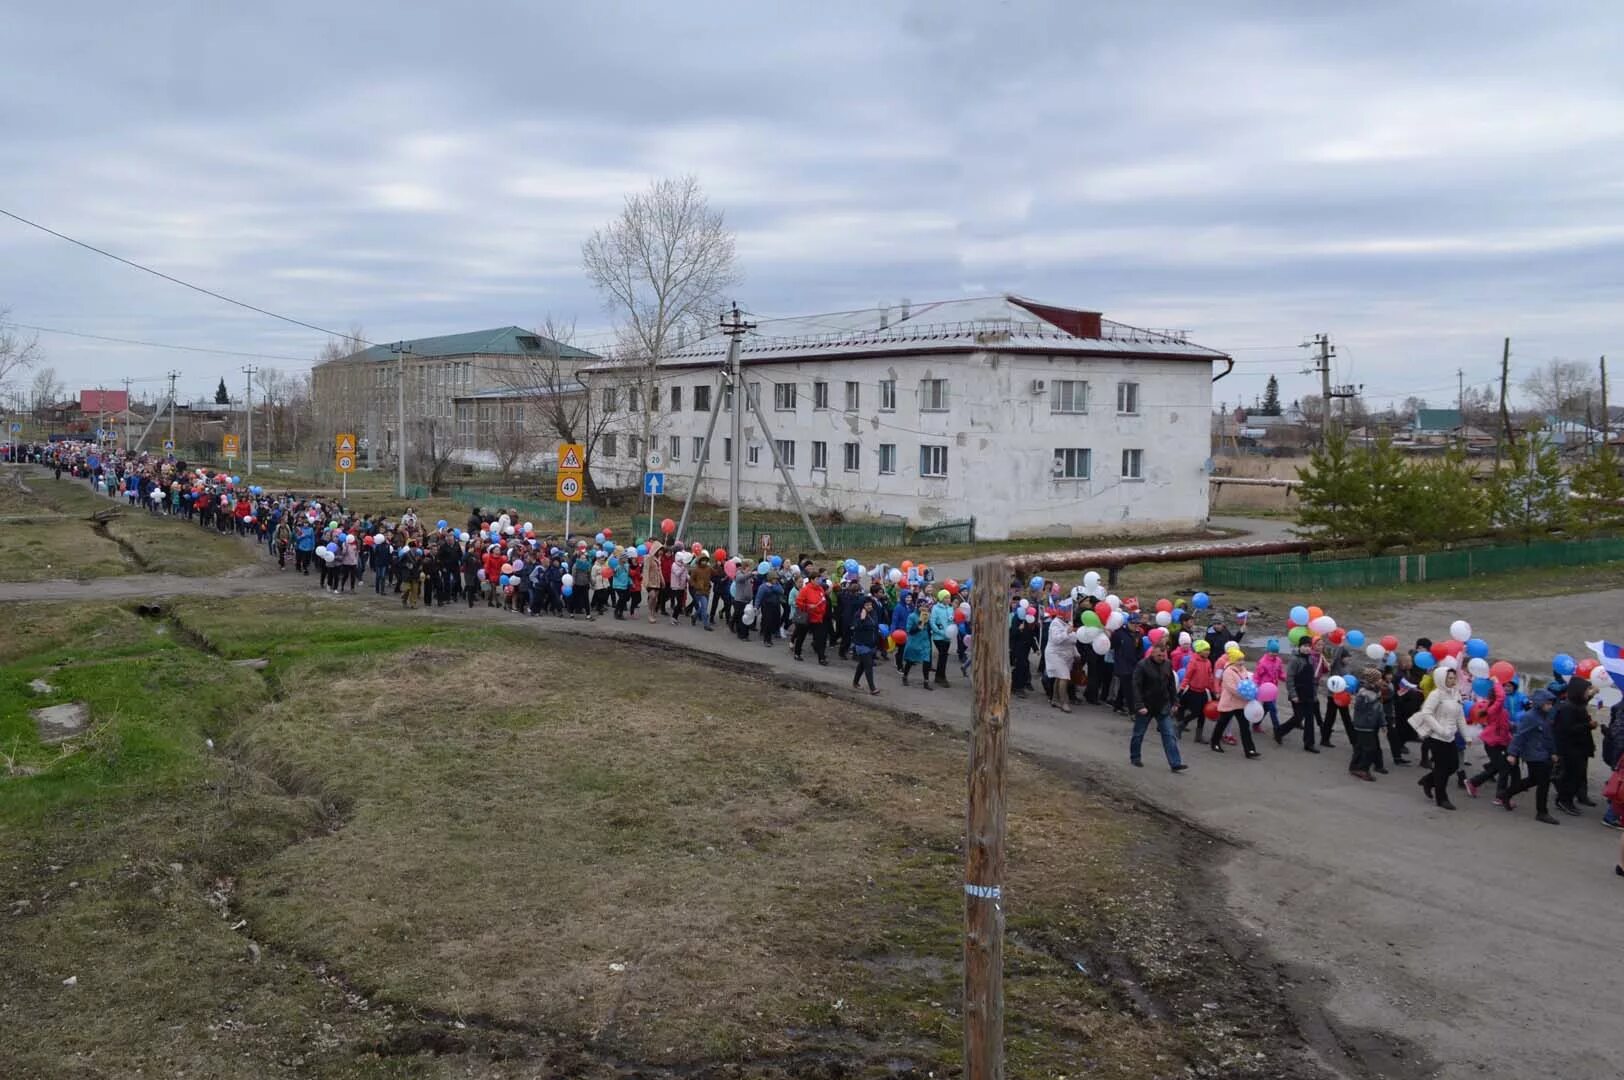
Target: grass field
423 852
48 534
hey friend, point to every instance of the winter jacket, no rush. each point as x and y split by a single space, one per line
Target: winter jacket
1440 716
1304 678
653 575
1533 740
699 579
679 576
622 578
1198 674
1229 698
1124 651
1153 688
813 601
1270 669
1061 650
1491 713
1572 724
941 617
918 649
1368 713
865 635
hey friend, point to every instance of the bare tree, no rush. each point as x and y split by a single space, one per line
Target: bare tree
433 448
1410 407
46 389
662 264
17 353
1480 407
513 442
1559 388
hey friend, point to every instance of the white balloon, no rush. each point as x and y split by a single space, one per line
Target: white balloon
568 579
1253 711
1478 666
1336 684
1091 579
1460 630
1101 644
1031 617
1086 634
1601 678
1375 651
952 631
1115 601
1164 618
1022 604
1322 625
1115 621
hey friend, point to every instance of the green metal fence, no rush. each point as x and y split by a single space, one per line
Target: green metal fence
1309 573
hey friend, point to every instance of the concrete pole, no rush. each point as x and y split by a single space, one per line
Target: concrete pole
783 470
699 466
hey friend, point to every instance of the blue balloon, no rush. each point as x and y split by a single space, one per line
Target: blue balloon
1299 615
965 584
777 561
1562 665
1037 581
1425 661
851 566
504 579
599 538
440 524
1483 687
569 590
642 550
1201 601
1356 639
1247 689
1273 644
1476 648
333 548
1353 683
614 563
1178 614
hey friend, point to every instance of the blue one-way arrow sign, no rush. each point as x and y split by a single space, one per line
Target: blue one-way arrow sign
654 483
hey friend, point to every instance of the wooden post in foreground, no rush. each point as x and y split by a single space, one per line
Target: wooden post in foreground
984 824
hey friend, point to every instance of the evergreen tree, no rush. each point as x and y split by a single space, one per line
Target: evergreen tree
1271 398
1334 493
1530 492
1598 482
1393 512
221 396
1449 503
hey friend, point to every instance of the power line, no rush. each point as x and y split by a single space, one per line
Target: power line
171 278
161 344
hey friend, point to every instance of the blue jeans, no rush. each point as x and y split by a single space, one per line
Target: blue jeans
1164 725
702 609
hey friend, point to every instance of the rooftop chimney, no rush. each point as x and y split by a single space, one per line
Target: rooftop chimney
904 315
885 317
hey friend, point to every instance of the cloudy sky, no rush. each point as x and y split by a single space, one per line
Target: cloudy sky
1417 179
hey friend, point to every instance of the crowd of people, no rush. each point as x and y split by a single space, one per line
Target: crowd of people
1182 664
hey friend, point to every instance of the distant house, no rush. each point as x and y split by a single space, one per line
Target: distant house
1435 423
103 401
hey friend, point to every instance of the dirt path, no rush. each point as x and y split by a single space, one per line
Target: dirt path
1396 917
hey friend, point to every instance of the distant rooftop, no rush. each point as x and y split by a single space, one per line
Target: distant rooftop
502 341
1007 323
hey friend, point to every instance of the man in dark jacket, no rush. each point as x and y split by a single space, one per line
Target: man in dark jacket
1154 692
1532 746
1575 746
1124 658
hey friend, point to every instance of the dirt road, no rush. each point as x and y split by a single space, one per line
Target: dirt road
1424 943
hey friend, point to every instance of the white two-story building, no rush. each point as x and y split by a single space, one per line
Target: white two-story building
1032 418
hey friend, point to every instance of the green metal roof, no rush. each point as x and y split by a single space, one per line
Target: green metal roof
1443 420
502 341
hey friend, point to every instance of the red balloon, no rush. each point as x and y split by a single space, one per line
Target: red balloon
951 586
900 637
1454 648
1164 605
668 526
1103 610
1585 668
608 533
1210 710
1502 671
1342 699
721 552
1337 636
1291 624
1390 643
959 616
1439 650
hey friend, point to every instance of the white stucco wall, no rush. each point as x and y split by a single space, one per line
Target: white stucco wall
1001 439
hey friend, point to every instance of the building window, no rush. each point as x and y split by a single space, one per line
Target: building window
752 454
933 461
1133 464
888 459
676 449
820 395
785 449
699 448
1072 463
608 446
852 454
634 399
1068 396
888 395
634 447
854 395
727 451
702 399
1128 399
752 398
820 456
676 399
465 426
727 398
933 395
783 396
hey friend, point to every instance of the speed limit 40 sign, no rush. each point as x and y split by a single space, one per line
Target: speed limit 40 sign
569 487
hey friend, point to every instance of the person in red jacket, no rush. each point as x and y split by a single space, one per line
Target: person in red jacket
812 611
1199 684
493 574
1491 713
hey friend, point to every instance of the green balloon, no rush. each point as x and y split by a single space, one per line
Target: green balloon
1091 619
1297 633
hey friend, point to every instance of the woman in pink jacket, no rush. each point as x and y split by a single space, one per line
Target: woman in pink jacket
1231 706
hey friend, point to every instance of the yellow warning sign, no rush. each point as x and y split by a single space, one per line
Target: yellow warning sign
344 463
346 443
229 445
569 487
571 457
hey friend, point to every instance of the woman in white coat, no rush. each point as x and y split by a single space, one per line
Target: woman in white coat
1439 720
1058 656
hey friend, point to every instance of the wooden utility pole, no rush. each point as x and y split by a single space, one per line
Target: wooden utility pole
984 825
1505 413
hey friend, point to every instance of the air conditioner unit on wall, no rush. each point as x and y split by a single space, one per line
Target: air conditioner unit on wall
1039 387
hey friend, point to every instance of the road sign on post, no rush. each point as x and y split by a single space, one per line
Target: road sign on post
169 446
654 483
229 446
571 457
569 488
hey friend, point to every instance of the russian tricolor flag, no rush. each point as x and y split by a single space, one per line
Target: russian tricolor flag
1611 658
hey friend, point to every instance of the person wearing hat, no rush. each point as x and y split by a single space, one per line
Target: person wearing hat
1199 686
941 620
812 618
770 607
1231 706
1058 655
